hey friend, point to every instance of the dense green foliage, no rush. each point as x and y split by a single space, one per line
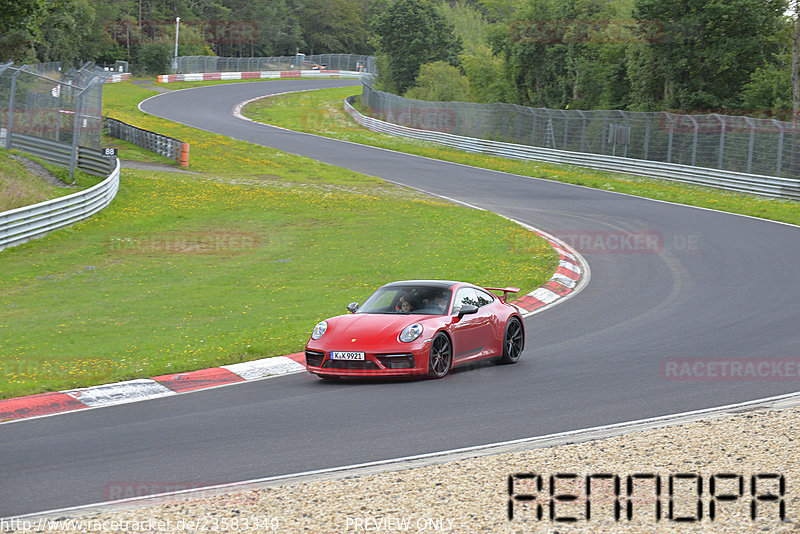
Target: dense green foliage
645 54
411 33
731 56
143 32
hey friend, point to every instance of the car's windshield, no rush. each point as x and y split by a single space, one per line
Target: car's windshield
423 300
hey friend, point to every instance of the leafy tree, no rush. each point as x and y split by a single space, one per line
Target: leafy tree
335 26
768 92
440 82
19 28
468 24
487 76
710 48
536 54
70 33
411 33
155 55
796 64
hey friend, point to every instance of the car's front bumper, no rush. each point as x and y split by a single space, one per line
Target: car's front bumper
401 362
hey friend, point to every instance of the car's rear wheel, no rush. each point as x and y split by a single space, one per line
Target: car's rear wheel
513 341
441 357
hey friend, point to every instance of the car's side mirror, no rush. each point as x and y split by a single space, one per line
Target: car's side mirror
352 307
467 309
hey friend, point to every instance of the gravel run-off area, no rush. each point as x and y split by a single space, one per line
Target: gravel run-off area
473 494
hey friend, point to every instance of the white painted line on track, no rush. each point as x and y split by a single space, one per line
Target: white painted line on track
421 460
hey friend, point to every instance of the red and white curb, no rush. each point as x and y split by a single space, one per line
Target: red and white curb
116 78
205 76
146 388
571 276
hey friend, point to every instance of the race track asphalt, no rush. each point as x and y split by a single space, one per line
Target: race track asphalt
721 286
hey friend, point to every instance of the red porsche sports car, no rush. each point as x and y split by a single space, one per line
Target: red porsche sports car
417 327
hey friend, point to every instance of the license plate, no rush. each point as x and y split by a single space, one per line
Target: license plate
341 355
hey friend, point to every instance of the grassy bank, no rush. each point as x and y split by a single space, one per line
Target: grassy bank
186 271
322 112
21 186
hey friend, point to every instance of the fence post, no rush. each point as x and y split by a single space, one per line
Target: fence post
73 160
10 127
752 140
603 137
722 126
626 132
694 139
780 148
671 131
583 129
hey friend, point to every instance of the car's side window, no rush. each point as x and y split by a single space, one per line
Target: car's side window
483 297
465 295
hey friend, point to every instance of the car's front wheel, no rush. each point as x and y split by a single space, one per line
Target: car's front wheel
513 341
441 357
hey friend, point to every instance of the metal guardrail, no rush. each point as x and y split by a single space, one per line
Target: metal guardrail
88 159
734 181
740 144
168 147
29 222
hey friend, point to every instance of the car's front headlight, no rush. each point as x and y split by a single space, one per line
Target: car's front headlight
411 332
319 330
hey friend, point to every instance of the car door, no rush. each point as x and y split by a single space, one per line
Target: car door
472 335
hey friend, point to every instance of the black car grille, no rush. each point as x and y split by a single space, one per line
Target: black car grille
314 358
396 361
350 364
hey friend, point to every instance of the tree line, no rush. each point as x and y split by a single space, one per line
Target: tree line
142 32
737 56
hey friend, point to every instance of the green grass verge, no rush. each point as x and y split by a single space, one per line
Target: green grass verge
187 271
322 112
20 187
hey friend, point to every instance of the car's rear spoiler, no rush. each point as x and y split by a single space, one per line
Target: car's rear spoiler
505 290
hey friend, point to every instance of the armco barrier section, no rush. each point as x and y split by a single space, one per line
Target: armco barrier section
206 76
740 144
29 222
168 147
88 159
734 181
